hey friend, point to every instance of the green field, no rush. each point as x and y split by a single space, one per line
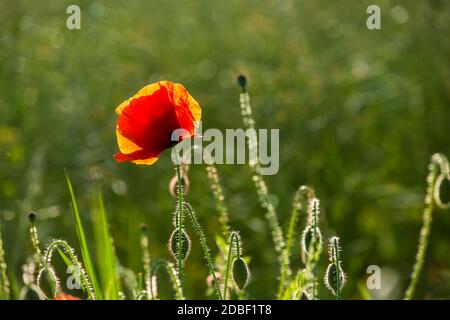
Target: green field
360 114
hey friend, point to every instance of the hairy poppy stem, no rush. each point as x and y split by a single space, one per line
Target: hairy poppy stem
263 193
337 263
69 252
146 262
169 267
4 282
180 225
198 229
216 188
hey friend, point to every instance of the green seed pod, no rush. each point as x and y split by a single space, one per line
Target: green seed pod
241 273
185 244
48 282
331 278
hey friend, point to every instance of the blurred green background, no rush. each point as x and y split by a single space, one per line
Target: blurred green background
360 112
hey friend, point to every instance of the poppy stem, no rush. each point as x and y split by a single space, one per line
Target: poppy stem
170 269
337 264
180 225
438 166
209 261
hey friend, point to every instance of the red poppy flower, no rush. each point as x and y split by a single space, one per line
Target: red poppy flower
65 296
147 120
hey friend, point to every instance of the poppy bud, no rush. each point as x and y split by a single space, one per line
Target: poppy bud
185 244
334 277
242 80
331 278
32 217
241 273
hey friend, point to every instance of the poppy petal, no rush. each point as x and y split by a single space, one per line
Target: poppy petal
148 119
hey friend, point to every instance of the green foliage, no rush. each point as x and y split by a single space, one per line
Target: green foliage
359 114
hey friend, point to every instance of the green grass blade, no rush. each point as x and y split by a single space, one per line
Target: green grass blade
82 240
104 250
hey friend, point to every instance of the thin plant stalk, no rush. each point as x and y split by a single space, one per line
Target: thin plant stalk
180 225
35 240
438 163
146 262
218 195
262 189
70 253
198 229
337 262
303 191
314 266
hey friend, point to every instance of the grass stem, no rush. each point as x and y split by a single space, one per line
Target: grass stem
180 224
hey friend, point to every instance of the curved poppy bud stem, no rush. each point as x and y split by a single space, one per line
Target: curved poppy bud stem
170 268
69 252
438 172
233 242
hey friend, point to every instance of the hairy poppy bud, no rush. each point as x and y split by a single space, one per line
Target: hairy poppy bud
241 273
331 278
334 277
32 217
242 80
185 244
